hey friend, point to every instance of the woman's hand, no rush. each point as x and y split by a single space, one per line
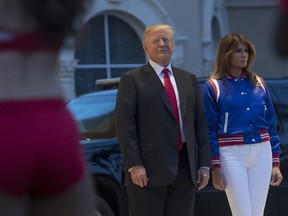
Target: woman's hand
276 177
218 179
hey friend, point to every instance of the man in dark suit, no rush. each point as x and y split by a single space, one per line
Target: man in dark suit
166 158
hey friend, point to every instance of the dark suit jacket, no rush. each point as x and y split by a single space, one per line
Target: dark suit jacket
147 130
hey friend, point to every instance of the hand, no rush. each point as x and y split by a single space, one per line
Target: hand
276 177
218 179
203 178
138 175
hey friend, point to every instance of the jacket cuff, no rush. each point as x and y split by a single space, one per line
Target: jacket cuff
215 162
276 160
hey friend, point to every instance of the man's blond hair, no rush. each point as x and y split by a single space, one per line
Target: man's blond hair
154 28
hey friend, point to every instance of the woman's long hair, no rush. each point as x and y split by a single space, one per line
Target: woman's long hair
226 47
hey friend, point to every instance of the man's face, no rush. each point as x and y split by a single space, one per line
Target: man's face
159 46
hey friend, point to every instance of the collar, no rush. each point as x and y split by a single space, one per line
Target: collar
231 76
158 68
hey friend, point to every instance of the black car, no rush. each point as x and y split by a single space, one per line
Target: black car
95 113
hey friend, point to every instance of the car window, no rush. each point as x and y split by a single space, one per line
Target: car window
284 100
95 116
279 95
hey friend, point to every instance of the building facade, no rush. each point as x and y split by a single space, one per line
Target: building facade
110 40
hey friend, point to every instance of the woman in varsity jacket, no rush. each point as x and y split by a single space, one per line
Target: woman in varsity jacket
242 128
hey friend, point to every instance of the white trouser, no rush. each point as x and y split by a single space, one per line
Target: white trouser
247 169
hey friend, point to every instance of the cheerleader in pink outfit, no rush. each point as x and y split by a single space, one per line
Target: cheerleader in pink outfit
41 164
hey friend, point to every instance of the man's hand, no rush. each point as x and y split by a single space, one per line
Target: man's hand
219 181
138 175
276 177
203 178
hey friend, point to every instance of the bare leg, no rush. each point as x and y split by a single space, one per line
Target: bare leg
79 201
13 206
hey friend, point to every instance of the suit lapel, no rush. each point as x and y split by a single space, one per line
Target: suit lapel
181 90
157 85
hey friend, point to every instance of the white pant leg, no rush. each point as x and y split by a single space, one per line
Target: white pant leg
259 175
233 161
240 165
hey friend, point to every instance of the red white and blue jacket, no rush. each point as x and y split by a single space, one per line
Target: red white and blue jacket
239 113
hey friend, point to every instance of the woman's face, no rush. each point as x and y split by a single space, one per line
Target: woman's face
240 57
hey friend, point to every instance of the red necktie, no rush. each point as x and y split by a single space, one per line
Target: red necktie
172 98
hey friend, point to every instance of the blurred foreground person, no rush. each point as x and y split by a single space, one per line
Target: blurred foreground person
41 164
281 33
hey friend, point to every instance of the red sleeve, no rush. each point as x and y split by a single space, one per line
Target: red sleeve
284 4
